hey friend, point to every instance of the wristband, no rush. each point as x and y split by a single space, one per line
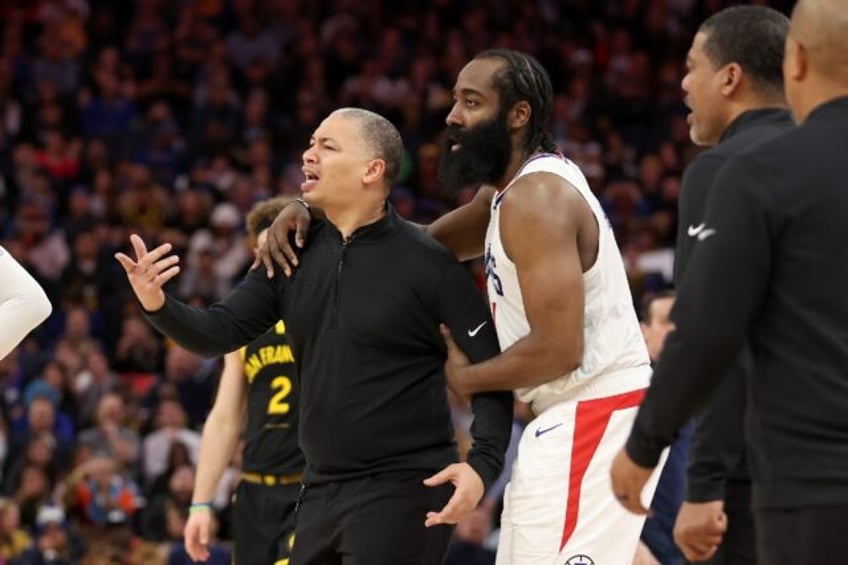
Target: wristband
197 507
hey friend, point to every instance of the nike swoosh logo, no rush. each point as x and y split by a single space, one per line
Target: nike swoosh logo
475 331
700 231
695 230
542 431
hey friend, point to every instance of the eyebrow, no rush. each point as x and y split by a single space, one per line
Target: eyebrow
467 92
322 139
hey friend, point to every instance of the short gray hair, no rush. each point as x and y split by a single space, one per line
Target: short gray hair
382 138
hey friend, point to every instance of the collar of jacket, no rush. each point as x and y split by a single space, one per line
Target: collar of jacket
756 117
835 109
371 231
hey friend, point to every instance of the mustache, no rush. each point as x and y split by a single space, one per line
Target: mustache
455 134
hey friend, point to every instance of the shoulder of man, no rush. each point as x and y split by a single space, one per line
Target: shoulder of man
417 241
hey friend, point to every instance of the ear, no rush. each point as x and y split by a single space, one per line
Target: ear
375 169
733 74
519 115
795 62
645 329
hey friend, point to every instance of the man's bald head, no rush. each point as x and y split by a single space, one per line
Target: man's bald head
821 27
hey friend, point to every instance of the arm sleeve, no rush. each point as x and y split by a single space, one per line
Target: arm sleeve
718 447
243 315
712 313
694 187
23 303
462 308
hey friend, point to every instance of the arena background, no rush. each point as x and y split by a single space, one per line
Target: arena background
171 118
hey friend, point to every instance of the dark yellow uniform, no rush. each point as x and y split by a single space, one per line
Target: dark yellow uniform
273 463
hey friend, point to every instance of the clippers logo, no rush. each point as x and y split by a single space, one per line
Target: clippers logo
490 271
579 560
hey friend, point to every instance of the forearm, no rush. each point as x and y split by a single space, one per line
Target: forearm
490 432
530 361
712 315
688 372
217 444
718 444
463 230
221 328
23 303
460 245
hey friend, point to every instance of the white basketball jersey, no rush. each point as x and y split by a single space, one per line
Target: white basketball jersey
612 340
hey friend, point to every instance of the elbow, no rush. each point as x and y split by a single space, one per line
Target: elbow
43 308
569 358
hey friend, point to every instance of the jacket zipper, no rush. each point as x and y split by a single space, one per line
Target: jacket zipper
339 266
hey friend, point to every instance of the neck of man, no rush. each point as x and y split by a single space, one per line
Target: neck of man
754 102
347 220
519 156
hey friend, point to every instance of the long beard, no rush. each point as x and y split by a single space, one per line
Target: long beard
482 158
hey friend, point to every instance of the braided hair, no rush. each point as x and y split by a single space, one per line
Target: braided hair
524 78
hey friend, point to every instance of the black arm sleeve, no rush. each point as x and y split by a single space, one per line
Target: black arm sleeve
694 188
718 444
243 315
463 310
722 293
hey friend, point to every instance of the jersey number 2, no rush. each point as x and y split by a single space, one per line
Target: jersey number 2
283 387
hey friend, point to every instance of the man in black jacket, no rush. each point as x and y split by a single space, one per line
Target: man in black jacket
362 316
775 223
734 87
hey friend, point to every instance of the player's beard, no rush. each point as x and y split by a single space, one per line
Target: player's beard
482 158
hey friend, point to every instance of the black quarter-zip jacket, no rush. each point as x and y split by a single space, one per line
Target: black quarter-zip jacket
717 453
362 318
773 270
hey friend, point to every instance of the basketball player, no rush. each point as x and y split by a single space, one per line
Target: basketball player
261 380
23 303
561 306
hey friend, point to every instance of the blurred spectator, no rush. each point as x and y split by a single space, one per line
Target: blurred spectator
109 438
54 543
171 428
165 516
99 492
470 536
13 539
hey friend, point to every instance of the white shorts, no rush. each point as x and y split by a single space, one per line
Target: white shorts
559 508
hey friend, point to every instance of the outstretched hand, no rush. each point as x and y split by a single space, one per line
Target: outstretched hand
292 218
469 491
455 362
149 273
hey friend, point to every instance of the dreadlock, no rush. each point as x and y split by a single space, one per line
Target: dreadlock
524 78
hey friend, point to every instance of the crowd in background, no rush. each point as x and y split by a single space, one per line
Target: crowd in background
170 119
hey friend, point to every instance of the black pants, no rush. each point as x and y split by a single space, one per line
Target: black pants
263 523
377 520
811 535
739 546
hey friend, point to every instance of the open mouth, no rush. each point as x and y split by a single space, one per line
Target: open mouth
310 179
